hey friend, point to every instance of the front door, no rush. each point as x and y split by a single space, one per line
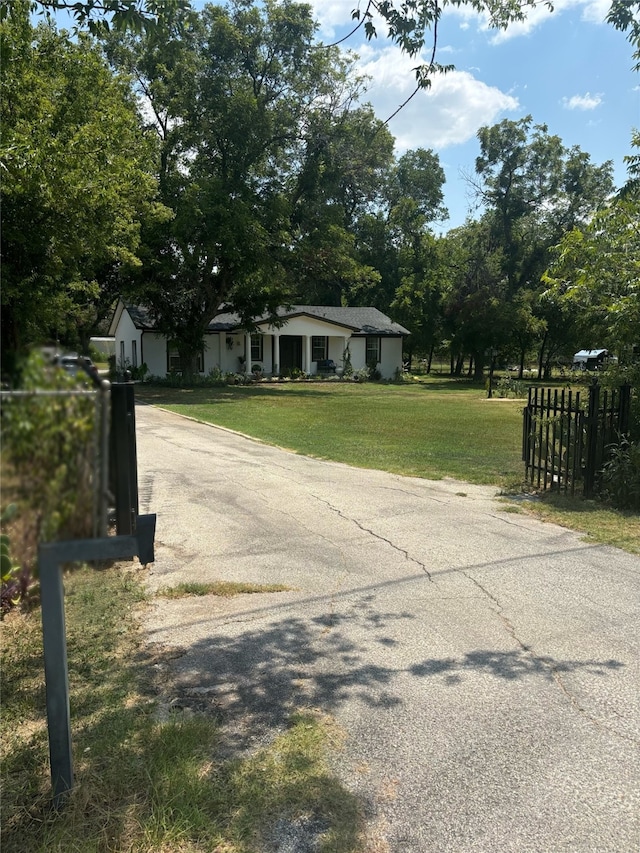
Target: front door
290 352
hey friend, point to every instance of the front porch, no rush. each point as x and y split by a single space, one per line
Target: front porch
277 354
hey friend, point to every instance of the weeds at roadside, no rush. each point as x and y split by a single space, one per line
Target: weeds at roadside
145 784
599 522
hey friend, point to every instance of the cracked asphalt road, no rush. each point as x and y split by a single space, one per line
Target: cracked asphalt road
484 666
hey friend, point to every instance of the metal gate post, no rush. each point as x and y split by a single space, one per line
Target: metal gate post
123 451
591 448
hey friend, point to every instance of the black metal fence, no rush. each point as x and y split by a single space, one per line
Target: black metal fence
566 435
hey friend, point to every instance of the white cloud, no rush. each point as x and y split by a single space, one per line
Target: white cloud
582 102
593 11
334 17
449 113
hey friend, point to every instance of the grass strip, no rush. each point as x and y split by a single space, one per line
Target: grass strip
223 589
599 523
146 784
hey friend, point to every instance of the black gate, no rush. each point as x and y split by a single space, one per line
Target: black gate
565 437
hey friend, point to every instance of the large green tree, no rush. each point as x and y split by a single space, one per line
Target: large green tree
534 190
74 184
257 132
99 16
346 163
395 237
595 272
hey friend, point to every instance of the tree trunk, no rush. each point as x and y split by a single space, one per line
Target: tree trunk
430 359
541 355
188 361
478 371
521 365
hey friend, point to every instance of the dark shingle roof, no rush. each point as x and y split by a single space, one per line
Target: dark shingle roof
359 321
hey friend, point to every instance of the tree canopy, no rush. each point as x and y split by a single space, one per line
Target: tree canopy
100 16
261 161
75 182
595 271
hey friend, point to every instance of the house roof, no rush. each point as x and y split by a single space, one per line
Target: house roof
590 353
359 321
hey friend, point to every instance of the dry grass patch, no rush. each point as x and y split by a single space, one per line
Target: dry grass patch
144 784
224 589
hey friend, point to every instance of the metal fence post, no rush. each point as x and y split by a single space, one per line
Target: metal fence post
56 674
103 500
124 466
51 556
591 444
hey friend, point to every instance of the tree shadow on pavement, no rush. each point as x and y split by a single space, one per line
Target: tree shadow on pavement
254 675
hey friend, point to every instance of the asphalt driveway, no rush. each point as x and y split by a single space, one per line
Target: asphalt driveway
484 666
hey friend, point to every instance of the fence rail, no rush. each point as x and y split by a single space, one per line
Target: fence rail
565 438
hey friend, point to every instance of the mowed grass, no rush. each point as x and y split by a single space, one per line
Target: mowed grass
430 429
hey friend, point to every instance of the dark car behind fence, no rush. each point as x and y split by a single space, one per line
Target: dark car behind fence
566 435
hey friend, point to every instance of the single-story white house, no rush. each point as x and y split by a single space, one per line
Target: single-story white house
310 339
590 359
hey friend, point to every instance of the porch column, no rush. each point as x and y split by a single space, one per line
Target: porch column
247 344
306 364
275 367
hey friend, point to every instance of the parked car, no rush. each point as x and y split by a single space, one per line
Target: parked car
73 363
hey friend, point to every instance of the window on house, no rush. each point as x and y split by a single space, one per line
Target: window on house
256 347
122 355
173 360
134 353
319 347
373 351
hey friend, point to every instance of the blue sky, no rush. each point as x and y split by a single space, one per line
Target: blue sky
567 69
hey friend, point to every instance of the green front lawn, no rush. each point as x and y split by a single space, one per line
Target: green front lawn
429 429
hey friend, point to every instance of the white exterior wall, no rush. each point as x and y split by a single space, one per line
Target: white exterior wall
229 356
390 357
308 327
125 334
152 347
154 351
358 350
211 352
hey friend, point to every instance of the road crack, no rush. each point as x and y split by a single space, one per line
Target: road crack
368 530
546 664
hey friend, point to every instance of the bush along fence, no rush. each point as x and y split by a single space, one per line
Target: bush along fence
60 444
69 468
567 439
